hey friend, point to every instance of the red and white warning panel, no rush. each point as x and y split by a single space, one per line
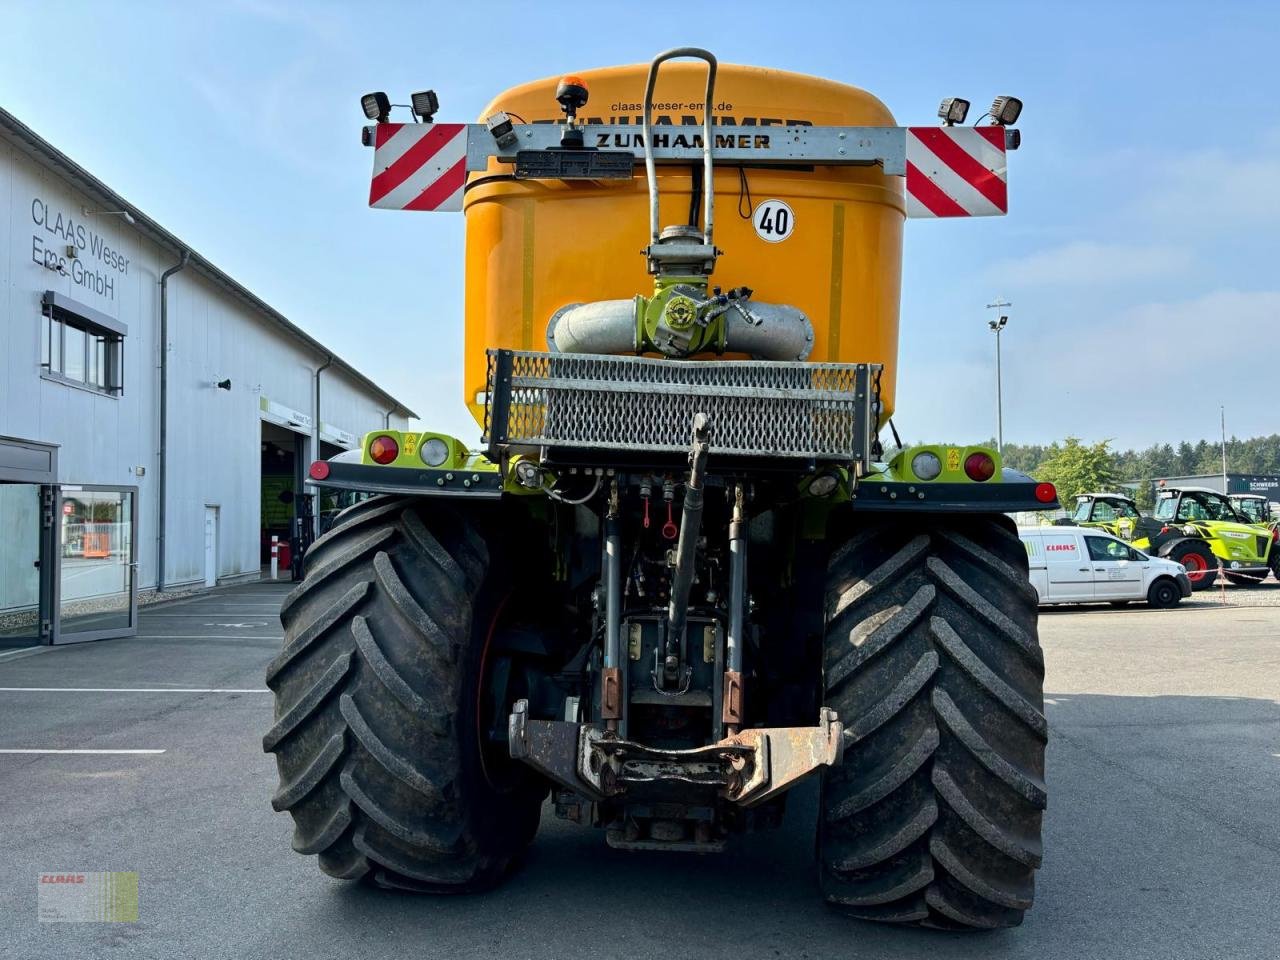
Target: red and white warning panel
419 166
956 172
950 171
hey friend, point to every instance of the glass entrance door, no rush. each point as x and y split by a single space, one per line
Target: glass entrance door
97 582
20 560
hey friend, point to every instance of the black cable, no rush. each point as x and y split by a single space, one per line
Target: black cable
744 188
515 116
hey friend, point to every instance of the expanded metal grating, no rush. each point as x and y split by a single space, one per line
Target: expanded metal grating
819 411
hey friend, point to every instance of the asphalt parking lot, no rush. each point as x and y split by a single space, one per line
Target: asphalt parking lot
1161 838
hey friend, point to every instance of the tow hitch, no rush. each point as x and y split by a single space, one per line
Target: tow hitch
746 768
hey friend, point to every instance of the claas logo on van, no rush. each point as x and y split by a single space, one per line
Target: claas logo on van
1060 547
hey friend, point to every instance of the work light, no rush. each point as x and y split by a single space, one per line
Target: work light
824 484
376 106
1005 110
926 465
425 104
434 452
953 110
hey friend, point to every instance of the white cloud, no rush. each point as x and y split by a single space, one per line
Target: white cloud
1156 372
1216 187
1087 262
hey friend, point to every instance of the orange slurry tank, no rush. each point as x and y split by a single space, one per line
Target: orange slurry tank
536 246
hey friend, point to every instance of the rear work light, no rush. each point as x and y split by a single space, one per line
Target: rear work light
1046 492
926 465
319 470
383 449
979 466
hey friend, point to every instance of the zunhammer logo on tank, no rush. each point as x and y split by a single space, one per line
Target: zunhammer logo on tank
46 252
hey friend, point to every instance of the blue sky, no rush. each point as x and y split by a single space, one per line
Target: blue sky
1140 252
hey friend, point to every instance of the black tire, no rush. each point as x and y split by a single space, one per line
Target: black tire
1196 556
933 663
1164 593
376 735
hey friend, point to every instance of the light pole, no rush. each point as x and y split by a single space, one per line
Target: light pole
1223 410
996 326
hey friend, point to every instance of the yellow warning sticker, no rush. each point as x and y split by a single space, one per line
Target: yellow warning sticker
953 458
410 444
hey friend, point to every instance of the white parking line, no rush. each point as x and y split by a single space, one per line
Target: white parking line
24 652
82 751
208 636
131 690
250 614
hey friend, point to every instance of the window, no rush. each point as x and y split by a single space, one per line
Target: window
1203 505
1104 548
80 345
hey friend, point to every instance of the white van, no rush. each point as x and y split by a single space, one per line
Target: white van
1085 565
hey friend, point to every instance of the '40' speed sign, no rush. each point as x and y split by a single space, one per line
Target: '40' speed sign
774 221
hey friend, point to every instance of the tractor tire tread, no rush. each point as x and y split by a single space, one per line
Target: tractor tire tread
933 663
370 687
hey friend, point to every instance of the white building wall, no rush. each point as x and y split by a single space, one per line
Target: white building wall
214 435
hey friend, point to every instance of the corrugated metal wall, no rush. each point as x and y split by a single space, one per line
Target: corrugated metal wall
214 435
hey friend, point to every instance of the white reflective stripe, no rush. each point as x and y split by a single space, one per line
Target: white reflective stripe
948 181
980 148
917 209
400 143
455 200
427 174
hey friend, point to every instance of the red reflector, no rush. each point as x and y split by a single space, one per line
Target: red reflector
319 470
1046 492
979 466
383 449
1275 535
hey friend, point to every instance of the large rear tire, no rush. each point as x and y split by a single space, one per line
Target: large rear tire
376 731
933 663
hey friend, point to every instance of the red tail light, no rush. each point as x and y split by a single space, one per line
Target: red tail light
1046 492
384 449
319 470
979 466
1275 535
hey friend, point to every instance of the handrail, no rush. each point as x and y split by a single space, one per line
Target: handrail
651 174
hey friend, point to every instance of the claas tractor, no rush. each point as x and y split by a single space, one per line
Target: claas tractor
681 573
1254 508
1194 526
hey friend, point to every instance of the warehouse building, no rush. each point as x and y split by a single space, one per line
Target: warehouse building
1264 485
125 466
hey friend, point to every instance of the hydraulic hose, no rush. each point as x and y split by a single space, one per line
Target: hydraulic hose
687 546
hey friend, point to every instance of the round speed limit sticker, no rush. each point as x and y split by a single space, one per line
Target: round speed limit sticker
773 221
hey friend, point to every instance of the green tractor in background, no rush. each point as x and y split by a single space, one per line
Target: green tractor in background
1194 526
1255 508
